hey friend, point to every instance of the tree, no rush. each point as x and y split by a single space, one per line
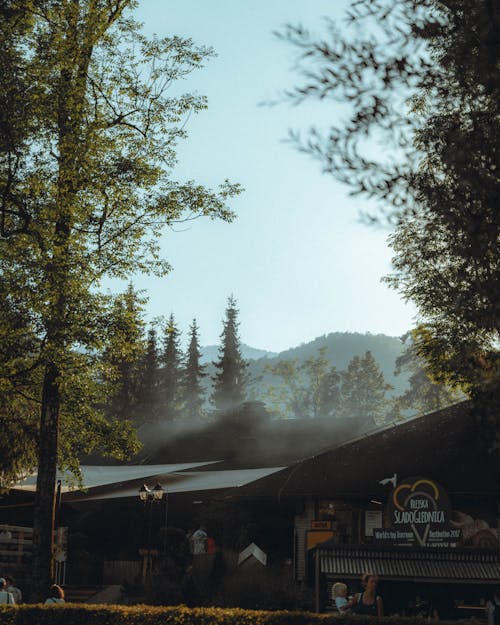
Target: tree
424 394
88 143
193 396
123 355
149 393
230 377
363 389
170 373
309 389
422 138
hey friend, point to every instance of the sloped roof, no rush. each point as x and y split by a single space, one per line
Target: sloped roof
410 564
446 445
93 476
176 482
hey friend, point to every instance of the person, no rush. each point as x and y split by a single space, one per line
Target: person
56 594
493 608
198 541
367 602
339 596
14 590
5 597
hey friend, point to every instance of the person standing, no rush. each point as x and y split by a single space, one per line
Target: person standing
5 597
16 592
198 541
367 603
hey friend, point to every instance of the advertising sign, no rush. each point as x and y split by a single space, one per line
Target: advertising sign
418 514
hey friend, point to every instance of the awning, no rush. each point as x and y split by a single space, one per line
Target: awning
423 565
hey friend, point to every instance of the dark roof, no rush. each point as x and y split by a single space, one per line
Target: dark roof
445 445
437 565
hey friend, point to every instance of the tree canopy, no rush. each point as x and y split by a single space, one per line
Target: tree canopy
420 81
91 119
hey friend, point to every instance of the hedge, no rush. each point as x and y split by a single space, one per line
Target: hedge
78 614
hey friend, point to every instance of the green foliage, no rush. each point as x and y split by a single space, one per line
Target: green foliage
420 81
424 394
363 389
192 391
87 146
230 378
180 615
149 391
308 390
170 373
123 355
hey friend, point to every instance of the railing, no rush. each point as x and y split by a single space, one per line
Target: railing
16 546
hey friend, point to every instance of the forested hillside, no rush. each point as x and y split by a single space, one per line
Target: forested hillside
341 347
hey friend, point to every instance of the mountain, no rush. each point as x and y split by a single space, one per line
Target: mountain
211 353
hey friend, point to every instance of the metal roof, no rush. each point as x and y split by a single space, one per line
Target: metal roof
455 566
93 476
179 482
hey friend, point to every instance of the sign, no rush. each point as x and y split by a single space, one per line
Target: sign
321 525
419 514
315 537
373 521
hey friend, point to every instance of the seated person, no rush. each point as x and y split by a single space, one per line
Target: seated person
339 596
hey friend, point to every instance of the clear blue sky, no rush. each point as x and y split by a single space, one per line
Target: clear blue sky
297 259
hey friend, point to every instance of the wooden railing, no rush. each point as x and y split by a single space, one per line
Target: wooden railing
16 547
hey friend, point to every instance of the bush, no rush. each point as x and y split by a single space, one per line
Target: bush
73 614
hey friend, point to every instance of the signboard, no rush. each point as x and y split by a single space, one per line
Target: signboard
418 514
373 521
321 525
317 536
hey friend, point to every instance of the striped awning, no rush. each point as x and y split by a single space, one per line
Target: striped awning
430 565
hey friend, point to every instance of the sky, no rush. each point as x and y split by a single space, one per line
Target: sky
297 259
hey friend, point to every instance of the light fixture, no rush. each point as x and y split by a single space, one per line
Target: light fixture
158 492
144 492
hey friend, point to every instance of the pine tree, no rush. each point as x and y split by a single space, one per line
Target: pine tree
123 356
363 389
149 403
192 390
230 378
171 373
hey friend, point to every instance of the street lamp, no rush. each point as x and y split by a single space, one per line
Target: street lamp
149 496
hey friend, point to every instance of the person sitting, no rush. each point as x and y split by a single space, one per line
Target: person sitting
339 596
56 594
14 590
5 597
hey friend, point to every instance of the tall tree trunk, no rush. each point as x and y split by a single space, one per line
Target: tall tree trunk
43 522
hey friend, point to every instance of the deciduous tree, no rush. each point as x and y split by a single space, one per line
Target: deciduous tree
420 81
88 143
364 390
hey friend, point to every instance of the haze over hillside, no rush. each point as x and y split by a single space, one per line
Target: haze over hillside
341 347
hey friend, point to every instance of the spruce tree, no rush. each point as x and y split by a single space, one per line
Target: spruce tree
192 390
230 377
171 373
123 356
149 404
363 389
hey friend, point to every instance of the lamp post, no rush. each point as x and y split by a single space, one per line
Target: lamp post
149 496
